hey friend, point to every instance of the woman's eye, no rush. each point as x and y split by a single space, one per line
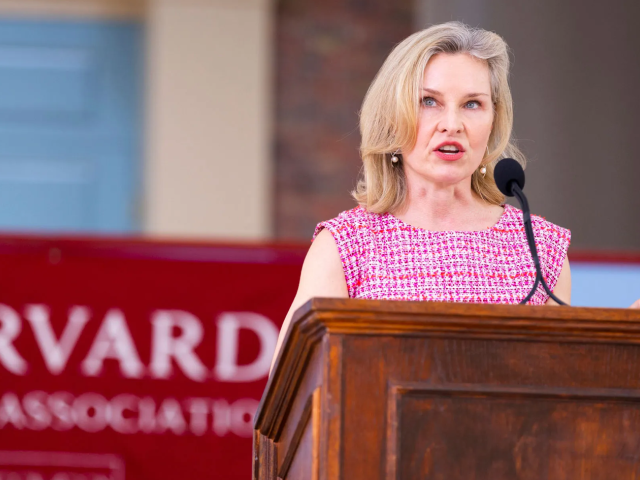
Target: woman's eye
428 102
472 104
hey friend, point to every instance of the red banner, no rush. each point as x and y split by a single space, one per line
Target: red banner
134 359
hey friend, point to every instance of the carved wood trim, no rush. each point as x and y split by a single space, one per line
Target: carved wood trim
379 317
375 307
392 431
311 412
264 457
291 364
315 435
481 390
331 399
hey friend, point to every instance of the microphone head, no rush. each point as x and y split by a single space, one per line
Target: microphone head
505 173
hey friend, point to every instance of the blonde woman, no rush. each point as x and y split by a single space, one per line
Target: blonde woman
431 223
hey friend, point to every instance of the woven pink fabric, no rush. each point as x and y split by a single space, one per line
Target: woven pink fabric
385 258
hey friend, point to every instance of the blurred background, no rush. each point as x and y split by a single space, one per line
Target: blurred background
177 154
238 119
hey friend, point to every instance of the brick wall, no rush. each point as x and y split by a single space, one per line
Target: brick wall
328 52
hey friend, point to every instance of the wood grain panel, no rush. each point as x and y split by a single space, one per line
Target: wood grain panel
372 362
489 432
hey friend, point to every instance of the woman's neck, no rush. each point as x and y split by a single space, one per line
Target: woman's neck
452 208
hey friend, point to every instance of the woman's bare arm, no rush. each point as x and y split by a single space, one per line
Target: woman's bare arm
322 276
563 285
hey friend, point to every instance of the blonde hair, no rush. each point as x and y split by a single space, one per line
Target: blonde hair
389 115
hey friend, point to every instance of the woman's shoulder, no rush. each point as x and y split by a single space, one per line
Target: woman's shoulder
348 222
513 217
351 232
552 241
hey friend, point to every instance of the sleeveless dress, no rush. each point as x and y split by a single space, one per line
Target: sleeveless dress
385 258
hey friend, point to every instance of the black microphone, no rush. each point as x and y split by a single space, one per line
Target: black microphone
509 177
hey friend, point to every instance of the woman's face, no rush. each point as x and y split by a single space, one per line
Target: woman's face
455 121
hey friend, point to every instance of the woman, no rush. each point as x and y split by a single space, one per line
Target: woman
431 223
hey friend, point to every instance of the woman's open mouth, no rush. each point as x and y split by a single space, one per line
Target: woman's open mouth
449 151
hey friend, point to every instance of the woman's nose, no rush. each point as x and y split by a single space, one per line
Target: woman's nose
450 121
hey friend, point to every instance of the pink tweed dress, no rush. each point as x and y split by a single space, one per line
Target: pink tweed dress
385 258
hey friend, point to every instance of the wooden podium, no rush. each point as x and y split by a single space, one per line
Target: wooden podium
417 390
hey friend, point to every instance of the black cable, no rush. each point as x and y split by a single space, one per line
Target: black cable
528 228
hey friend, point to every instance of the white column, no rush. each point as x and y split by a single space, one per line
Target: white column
207 170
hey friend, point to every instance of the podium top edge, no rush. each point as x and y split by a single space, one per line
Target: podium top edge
350 306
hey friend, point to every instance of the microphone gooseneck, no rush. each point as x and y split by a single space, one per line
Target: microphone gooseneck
509 178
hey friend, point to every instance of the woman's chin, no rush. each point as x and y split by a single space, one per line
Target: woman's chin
454 171
442 173
450 176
